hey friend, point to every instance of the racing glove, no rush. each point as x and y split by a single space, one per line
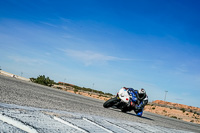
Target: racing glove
130 103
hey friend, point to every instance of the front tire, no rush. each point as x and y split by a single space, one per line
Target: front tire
110 102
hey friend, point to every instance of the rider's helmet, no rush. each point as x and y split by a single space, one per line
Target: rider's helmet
141 93
125 88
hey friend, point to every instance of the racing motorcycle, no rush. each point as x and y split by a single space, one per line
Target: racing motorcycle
122 101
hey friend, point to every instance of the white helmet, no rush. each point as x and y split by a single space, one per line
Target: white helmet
141 93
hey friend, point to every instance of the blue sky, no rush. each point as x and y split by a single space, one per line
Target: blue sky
106 44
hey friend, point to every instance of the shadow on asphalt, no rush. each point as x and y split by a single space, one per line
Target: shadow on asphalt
143 117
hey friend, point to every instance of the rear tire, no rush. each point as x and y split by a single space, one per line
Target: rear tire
110 102
124 110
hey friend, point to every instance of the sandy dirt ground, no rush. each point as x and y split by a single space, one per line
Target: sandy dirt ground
174 113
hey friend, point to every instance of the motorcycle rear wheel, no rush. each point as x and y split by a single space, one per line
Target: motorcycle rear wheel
124 110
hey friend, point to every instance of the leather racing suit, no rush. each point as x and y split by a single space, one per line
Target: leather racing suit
138 101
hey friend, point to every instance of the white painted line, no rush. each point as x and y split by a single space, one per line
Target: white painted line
69 124
118 126
98 125
17 124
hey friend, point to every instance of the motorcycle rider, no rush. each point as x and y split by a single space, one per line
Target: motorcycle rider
138 99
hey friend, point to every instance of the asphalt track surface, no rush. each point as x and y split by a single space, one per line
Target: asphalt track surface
29 107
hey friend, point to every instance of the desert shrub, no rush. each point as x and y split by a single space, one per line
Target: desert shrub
109 94
75 90
153 108
164 111
41 79
32 79
174 117
87 89
59 88
183 110
191 110
187 114
96 91
192 121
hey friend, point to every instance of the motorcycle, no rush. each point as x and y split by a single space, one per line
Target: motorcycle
122 101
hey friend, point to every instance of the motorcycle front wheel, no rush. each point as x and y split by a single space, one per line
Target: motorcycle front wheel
111 102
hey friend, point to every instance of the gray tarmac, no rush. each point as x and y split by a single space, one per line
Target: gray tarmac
46 109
